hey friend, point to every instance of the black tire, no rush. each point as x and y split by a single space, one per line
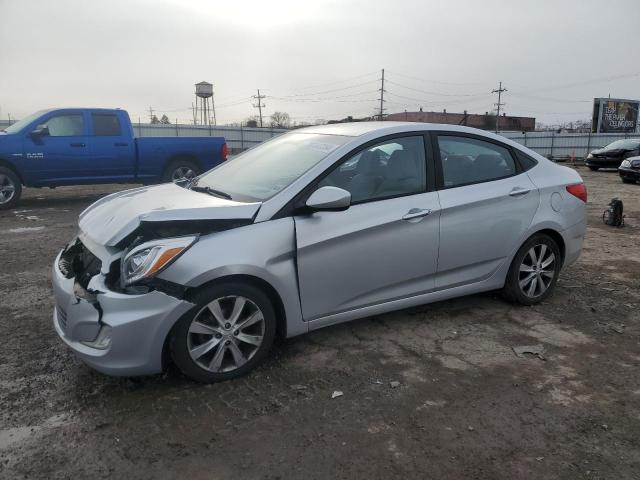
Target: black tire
594 169
9 179
512 289
177 165
627 180
179 342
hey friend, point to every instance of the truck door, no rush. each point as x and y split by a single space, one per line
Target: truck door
59 154
111 148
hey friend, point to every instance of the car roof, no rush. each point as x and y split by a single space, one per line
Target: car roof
356 129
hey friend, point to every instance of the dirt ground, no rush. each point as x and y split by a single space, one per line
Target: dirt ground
466 406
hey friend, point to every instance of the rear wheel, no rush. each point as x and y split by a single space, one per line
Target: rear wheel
534 271
227 334
181 170
10 188
594 169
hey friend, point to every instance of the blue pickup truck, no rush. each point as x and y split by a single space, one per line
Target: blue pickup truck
83 146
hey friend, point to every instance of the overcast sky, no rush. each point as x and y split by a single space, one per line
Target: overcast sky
319 59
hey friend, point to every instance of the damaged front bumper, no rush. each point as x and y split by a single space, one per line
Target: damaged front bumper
114 333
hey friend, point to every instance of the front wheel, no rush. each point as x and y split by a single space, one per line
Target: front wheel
594 169
227 334
628 180
10 188
534 271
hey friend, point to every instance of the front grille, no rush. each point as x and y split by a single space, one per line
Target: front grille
78 262
62 318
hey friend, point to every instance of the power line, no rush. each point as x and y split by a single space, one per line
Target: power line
435 93
259 105
428 80
499 92
330 91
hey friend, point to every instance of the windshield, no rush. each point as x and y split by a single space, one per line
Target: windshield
263 171
625 144
20 124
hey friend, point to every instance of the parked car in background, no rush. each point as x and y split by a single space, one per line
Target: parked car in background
74 146
613 154
629 170
315 227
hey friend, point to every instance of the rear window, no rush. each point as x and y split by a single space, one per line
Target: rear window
105 124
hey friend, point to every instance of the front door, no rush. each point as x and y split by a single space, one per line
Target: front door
61 154
487 203
385 245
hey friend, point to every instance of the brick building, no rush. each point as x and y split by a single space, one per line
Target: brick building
484 122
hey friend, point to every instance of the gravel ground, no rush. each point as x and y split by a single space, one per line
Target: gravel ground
465 406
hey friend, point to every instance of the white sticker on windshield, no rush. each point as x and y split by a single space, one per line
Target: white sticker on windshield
322 147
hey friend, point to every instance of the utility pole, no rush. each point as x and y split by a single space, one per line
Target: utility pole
259 105
150 114
382 90
499 92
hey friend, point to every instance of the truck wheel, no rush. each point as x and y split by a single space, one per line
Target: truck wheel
10 188
227 334
181 169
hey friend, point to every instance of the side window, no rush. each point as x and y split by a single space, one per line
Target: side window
526 162
468 160
392 168
105 125
71 125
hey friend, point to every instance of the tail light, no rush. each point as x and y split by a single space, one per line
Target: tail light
578 190
225 150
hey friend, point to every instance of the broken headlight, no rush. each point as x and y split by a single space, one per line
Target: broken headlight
150 258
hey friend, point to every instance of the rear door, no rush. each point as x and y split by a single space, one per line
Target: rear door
112 149
60 155
488 203
385 245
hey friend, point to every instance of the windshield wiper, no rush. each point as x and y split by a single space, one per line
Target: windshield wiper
211 191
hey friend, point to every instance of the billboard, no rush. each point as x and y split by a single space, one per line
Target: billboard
612 115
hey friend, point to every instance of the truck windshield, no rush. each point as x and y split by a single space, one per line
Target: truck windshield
263 171
20 124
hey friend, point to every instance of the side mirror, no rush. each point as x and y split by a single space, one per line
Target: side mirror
40 131
329 198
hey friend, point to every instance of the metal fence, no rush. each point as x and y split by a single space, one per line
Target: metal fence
565 145
238 138
549 144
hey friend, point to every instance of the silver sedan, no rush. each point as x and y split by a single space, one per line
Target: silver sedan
316 227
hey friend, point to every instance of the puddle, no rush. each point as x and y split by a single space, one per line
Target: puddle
25 229
11 436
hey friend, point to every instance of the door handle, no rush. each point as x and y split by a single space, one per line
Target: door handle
416 213
77 144
517 191
121 144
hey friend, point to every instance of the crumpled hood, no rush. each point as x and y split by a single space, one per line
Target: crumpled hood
112 218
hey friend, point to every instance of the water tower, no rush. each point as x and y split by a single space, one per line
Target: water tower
204 92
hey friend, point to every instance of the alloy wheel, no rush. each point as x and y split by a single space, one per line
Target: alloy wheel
537 270
182 173
226 334
7 189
